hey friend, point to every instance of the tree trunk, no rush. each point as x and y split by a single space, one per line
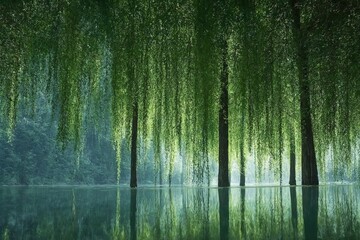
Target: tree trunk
308 157
292 160
133 178
160 172
182 170
169 178
242 143
242 165
223 177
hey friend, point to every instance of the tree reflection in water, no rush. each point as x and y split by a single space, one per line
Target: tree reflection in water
133 231
224 212
294 212
310 201
327 212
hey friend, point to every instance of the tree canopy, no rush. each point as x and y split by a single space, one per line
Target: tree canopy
96 58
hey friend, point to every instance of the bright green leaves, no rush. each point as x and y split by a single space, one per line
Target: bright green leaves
93 60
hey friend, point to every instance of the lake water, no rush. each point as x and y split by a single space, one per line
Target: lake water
325 212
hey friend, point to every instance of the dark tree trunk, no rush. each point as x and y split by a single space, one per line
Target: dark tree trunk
182 171
134 130
310 199
133 231
223 177
131 63
242 165
169 179
294 213
242 143
224 212
308 157
160 172
292 160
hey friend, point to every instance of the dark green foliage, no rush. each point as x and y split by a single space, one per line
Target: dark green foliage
93 61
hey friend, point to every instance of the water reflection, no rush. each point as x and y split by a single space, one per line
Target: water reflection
242 213
330 212
133 232
294 213
310 202
224 212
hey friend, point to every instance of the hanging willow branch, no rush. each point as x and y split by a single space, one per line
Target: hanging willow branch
95 59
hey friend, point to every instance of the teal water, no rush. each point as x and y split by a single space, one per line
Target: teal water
326 212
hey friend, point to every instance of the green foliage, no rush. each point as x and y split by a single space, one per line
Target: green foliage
94 59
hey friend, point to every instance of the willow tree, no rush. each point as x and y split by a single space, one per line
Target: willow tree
324 45
335 76
223 176
13 45
308 156
242 49
255 98
131 64
202 78
130 77
282 112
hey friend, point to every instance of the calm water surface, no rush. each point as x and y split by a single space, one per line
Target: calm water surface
326 212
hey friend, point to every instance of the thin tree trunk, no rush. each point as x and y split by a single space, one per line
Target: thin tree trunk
169 178
292 160
308 157
183 170
223 177
160 172
133 178
131 79
242 143
242 165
